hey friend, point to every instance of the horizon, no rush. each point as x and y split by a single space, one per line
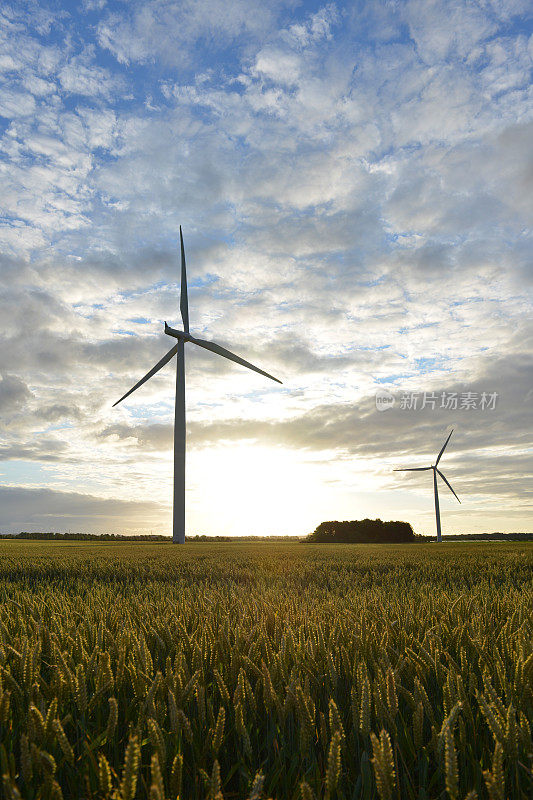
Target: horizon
352 185
282 537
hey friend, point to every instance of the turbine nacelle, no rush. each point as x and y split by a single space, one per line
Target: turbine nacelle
177 334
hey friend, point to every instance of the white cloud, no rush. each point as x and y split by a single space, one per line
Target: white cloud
314 29
37 86
16 104
168 30
80 75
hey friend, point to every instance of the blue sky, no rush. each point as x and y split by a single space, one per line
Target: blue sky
354 184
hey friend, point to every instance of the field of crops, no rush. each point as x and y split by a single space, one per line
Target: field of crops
257 671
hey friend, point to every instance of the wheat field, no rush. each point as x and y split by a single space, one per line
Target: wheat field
266 670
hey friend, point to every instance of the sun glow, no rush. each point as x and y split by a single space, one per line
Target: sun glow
252 490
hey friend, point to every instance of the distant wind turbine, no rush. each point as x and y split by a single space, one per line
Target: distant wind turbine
436 470
178 526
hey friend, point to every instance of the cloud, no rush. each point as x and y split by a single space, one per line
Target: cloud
170 30
45 449
353 184
16 104
13 391
48 510
440 30
80 76
156 436
357 430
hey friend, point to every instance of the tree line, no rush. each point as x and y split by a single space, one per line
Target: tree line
84 537
364 531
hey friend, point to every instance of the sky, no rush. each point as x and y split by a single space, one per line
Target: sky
354 182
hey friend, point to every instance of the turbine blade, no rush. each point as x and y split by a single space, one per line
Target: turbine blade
447 484
221 351
184 300
148 375
443 446
411 469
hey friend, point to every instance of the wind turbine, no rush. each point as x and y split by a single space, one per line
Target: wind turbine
178 525
436 470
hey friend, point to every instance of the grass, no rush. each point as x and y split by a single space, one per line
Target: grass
277 670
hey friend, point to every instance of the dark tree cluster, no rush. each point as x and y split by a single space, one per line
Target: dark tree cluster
370 531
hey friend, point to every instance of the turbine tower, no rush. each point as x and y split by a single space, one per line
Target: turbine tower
178 525
436 470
